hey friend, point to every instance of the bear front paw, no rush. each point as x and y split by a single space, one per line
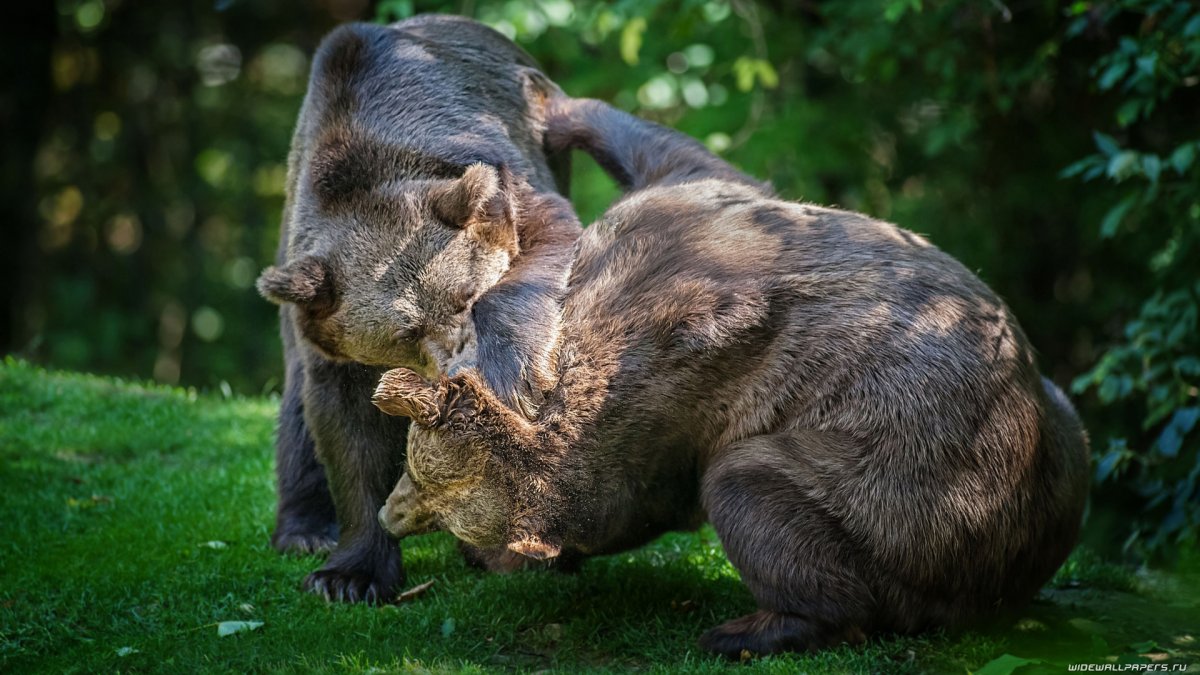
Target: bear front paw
340 585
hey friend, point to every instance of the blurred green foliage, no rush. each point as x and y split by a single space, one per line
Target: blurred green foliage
1154 199
1050 146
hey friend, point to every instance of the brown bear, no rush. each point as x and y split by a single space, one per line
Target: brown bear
858 416
404 243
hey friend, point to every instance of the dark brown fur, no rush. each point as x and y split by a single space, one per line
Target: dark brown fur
408 147
857 414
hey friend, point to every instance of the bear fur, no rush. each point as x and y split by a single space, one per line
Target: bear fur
856 413
405 243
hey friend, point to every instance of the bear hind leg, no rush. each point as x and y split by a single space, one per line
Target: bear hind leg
764 501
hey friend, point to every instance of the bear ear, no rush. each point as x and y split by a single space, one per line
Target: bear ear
304 281
482 196
405 393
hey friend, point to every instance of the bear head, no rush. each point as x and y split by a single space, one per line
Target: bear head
389 246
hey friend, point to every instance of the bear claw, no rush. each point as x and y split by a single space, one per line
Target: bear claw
336 585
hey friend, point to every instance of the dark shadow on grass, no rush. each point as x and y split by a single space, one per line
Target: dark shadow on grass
626 610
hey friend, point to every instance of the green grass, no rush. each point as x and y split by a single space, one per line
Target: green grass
112 491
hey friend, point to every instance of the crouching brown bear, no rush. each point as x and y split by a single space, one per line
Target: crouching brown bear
856 413
400 237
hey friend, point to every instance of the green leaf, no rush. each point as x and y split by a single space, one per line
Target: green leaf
1106 144
1158 410
1122 165
896 9
1005 664
1107 464
1094 172
1192 27
1152 167
1171 438
747 70
1147 64
1183 156
126 651
1112 220
1082 165
1113 74
1188 366
767 75
1081 384
1128 112
1178 332
631 40
744 70
226 628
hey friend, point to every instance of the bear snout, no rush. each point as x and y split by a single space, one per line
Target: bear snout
400 524
404 513
384 522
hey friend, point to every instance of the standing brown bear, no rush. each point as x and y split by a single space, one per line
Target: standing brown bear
856 413
407 146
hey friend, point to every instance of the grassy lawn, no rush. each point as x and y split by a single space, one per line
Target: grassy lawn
136 518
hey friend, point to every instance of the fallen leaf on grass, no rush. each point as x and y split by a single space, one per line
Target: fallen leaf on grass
126 651
88 503
414 592
216 545
1005 665
230 627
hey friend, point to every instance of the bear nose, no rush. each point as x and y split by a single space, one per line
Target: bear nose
383 518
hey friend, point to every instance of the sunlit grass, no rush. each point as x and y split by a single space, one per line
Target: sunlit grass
136 517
